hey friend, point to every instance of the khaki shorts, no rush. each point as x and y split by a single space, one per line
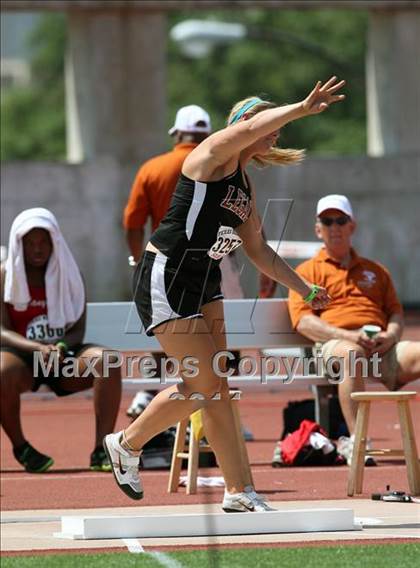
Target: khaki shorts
388 363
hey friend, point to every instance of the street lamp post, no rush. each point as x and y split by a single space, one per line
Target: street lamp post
198 37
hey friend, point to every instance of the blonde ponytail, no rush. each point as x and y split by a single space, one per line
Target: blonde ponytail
279 157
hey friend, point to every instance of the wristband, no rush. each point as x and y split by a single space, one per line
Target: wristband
62 345
312 294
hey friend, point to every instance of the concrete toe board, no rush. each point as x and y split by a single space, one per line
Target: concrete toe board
33 530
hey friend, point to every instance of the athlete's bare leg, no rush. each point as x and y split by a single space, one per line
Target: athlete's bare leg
193 338
214 413
16 379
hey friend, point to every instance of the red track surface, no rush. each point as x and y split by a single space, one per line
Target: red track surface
63 428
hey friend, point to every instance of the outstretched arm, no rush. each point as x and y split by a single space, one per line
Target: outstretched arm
269 262
225 143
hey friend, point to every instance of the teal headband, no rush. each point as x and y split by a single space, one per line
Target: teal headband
243 110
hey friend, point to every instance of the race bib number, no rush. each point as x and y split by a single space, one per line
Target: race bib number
39 329
226 242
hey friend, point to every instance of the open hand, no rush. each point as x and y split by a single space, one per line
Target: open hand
322 95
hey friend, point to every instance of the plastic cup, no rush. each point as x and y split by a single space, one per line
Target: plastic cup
371 330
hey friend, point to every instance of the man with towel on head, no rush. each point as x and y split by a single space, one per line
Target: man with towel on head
43 313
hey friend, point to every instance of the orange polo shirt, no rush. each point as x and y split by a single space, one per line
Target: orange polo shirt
153 187
362 293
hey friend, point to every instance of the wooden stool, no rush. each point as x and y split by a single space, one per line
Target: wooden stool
183 450
355 482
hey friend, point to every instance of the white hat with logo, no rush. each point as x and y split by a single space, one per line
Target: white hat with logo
334 201
187 119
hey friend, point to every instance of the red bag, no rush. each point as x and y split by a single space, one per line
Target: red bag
295 442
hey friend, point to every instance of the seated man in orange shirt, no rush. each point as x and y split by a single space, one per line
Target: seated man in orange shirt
362 293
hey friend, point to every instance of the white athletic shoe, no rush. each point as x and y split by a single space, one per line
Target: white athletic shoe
139 403
125 466
247 501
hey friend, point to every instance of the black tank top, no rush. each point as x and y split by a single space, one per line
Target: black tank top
199 223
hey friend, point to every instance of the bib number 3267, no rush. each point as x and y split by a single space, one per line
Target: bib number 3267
226 242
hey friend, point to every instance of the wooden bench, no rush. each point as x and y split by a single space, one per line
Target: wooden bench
250 324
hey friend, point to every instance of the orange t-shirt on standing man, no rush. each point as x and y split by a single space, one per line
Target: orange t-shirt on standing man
153 187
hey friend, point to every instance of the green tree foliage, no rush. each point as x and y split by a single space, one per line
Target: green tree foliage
33 117
282 71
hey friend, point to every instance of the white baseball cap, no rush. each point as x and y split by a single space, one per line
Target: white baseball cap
339 202
187 118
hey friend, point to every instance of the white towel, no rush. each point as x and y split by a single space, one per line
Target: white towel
319 442
63 282
214 481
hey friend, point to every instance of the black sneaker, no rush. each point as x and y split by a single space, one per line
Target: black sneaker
32 460
99 460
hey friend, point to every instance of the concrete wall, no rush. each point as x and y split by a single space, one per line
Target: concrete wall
88 200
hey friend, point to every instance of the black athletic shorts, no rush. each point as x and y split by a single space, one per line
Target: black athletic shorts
164 290
51 379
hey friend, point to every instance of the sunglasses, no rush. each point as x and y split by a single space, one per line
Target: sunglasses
328 221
